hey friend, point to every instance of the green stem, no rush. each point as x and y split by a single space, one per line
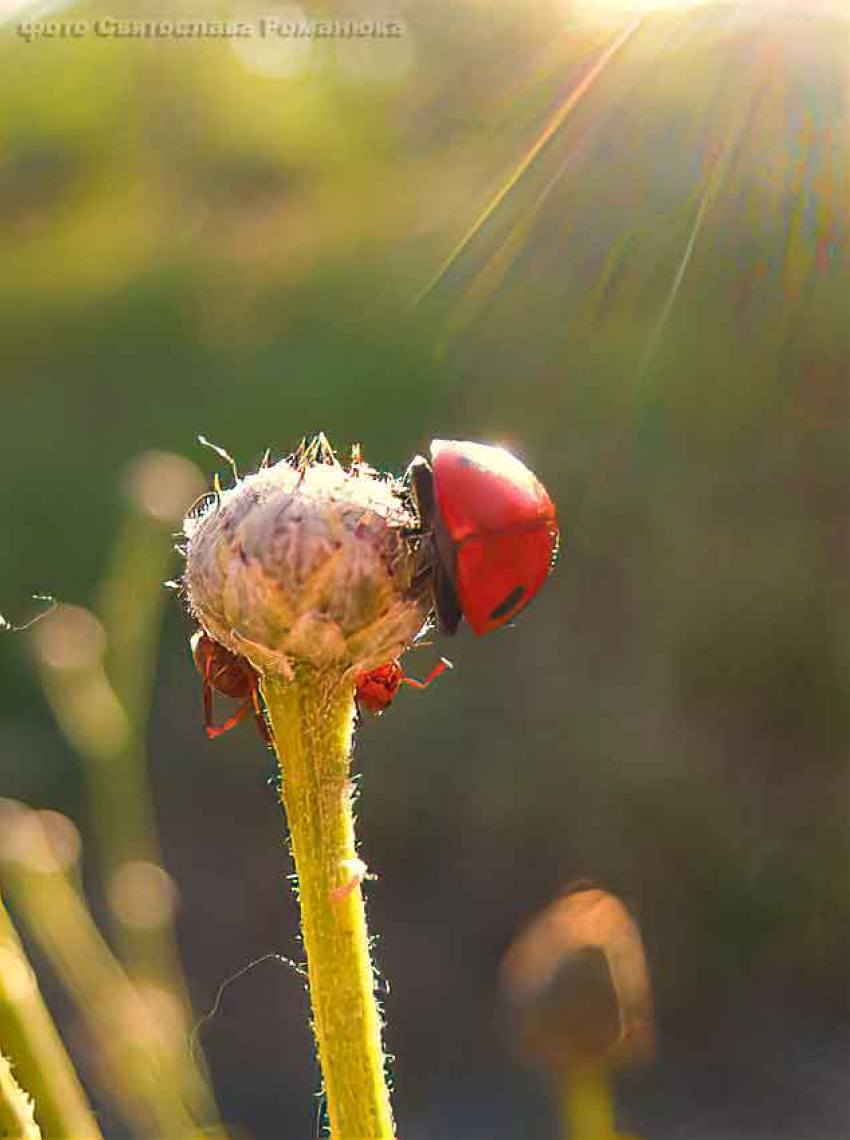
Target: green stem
16 1118
31 1041
312 718
587 1110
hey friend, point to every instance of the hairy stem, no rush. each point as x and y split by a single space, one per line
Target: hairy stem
312 718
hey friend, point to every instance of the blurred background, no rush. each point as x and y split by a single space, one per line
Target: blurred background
614 240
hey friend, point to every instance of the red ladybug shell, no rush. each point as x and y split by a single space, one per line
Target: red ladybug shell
501 524
376 689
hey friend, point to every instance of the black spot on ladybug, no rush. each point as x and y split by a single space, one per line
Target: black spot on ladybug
507 604
465 461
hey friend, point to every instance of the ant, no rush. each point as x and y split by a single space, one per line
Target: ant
377 689
227 673
232 676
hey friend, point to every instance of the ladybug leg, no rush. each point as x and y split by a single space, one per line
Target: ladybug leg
439 668
356 871
260 718
422 574
214 730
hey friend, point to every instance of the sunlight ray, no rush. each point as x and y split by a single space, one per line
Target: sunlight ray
549 131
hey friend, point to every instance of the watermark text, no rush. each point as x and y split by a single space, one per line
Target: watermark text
264 27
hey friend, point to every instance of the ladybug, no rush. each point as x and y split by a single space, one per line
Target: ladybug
489 532
376 689
232 676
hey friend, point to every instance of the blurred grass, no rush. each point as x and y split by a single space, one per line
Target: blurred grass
136 1034
16 1119
30 1037
97 680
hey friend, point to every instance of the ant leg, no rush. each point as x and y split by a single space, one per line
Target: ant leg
208 701
260 718
439 668
214 730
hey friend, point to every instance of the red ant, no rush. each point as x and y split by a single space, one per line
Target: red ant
377 688
227 673
232 676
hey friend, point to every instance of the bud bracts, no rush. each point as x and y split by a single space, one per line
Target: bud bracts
307 562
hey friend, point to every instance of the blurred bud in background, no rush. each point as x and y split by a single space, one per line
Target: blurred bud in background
579 1002
63 838
40 842
143 894
577 985
162 485
69 645
70 639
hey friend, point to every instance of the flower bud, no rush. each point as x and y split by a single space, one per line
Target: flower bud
576 985
307 562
